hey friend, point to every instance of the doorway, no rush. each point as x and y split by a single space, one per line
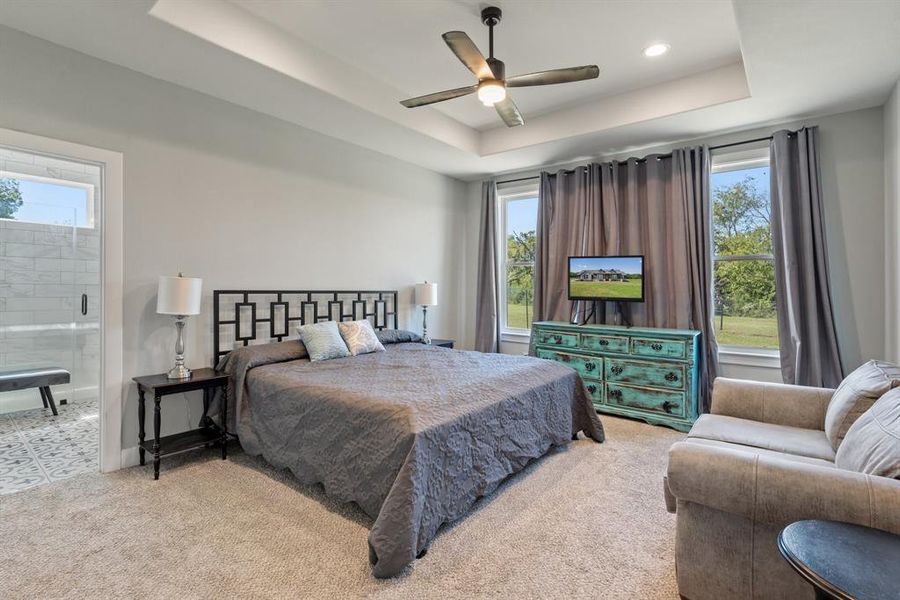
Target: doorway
52 245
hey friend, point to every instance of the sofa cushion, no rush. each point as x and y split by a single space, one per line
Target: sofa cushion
670 498
872 445
856 394
807 460
779 438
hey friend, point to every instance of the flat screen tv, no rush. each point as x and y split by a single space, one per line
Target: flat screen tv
614 278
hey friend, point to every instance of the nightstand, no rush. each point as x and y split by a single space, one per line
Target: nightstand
443 343
159 385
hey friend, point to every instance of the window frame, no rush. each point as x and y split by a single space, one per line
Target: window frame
725 162
88 188
506 194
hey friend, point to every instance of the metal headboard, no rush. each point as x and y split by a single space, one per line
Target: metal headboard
242 317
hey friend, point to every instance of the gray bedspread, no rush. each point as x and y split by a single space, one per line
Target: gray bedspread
414 435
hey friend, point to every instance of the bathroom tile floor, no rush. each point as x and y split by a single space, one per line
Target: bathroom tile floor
36 447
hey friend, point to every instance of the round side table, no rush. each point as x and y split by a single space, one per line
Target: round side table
844 561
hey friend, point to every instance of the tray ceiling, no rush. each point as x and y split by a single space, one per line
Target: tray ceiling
340 68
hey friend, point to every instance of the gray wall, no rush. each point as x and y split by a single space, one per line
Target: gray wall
237 198
852 158
892 223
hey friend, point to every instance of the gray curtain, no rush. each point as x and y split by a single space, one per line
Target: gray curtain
806 331
487 314
658 207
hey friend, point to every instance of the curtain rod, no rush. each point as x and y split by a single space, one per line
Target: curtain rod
667 155
753 141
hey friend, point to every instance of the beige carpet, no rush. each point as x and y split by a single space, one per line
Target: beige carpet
586 521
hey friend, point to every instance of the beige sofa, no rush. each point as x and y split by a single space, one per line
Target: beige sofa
758 462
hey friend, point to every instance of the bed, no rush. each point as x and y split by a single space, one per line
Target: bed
413 435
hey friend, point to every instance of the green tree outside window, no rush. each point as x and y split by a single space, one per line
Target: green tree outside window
10 198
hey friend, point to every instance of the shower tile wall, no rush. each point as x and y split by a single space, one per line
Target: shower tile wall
44 269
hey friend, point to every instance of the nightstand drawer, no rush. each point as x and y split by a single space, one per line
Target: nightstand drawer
586 365
658 348
550 338
654 401
664 375
604 343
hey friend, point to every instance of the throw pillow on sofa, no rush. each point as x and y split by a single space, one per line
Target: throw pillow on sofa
856 394
872 445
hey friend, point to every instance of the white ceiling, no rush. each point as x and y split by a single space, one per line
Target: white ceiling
341 68
405 48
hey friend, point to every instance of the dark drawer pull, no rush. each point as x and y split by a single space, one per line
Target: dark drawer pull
589 366
592 389
616 370
603 342
615 393
557 339
84 303
656 347
668 406
671 376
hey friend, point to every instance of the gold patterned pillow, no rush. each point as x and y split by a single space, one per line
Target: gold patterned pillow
360 337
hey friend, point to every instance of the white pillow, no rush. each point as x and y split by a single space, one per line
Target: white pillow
360 337
323 341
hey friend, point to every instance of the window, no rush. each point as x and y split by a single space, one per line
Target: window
519 206
743 265
34 199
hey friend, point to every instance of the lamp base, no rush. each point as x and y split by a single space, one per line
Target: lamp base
179 372
426 339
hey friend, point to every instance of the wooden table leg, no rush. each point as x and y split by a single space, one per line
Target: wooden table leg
141 417
224 421
156 425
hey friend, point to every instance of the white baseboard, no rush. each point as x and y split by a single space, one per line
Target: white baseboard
130 457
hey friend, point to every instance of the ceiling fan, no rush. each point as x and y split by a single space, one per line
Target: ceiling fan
491 73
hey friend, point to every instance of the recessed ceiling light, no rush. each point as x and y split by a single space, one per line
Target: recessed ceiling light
656 49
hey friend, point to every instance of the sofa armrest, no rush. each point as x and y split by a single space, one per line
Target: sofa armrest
780 491
775 403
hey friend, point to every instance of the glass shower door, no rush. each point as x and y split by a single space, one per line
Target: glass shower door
39 298
50 240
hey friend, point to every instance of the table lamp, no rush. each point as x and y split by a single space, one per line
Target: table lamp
426 295
180 297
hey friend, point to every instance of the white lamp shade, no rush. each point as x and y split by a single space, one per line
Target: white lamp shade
426 294
179 295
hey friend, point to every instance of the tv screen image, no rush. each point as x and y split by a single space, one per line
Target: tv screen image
616 278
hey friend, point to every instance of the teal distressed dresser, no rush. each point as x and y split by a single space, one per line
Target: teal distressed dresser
643 373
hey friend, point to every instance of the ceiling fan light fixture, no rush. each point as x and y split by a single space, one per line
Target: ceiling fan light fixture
491 91
657 49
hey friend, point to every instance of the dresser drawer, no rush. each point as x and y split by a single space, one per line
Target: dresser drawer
586 365
654 401
658 348
595 391
604 343
658 374
551 338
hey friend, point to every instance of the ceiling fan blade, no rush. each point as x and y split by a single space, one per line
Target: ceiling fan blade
554 76
466 51
509 112
439 96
